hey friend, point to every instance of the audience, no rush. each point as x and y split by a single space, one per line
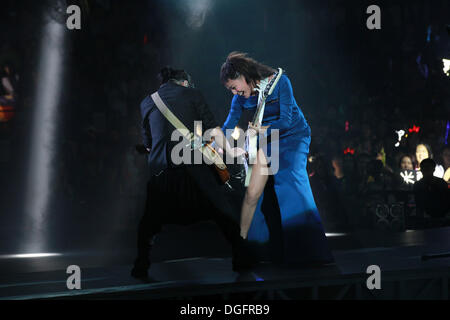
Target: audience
406 162
8 85
405 175
431 193
423 151
446 163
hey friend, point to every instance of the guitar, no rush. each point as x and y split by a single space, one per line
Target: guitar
220 167
222 171
265 89
205 148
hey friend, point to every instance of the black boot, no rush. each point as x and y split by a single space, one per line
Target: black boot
142 262
243 258
140 269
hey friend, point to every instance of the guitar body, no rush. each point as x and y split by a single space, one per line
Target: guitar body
222 174
219 166
252 151
265 89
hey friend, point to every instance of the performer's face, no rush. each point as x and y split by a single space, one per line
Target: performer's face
239 86
406 164
421 153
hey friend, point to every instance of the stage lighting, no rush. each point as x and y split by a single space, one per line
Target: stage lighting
446 66
236 133
43 133
29 255
447 130
56 10
330 235
196 11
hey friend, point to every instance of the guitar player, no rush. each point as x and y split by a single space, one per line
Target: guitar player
182 194
278 214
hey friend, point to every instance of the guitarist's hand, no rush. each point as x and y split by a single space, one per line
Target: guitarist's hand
253 130
237 152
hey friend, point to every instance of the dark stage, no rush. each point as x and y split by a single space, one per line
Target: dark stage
105 274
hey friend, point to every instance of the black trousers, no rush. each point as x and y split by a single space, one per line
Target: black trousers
174 197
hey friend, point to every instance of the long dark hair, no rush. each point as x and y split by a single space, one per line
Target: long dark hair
238 63
168 73
428 147
410 156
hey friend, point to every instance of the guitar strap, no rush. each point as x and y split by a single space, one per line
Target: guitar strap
207 152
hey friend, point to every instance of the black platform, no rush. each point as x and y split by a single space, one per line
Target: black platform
105 275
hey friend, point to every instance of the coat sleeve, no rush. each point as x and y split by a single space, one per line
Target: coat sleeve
287 104
233 116
145 127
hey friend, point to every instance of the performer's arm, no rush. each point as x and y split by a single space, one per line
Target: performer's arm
146 135
286 106
223 143
208 121
233 116
145 127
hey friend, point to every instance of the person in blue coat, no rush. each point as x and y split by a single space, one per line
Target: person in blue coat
279 215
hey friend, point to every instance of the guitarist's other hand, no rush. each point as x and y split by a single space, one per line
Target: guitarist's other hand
237 152
256 129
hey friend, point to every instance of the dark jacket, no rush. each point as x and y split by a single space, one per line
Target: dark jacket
432 196
188 105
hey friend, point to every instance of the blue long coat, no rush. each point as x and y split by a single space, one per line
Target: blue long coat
289 225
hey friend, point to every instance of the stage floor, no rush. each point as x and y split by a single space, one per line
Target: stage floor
105 274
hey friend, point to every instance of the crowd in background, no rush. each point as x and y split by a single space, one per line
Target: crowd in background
367 151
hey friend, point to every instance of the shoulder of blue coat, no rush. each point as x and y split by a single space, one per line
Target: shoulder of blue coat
146 102
146 105
237 100
284 79
283 82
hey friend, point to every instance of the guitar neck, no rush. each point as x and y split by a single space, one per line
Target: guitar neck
265 91
258 110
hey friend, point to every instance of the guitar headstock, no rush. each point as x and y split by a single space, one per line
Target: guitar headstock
267 86
273 82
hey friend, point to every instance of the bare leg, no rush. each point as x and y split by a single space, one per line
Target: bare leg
258 181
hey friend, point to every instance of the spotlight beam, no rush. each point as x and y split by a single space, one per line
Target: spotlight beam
43 133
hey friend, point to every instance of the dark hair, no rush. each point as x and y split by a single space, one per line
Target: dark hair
430 153
167 73
413 160
238 63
